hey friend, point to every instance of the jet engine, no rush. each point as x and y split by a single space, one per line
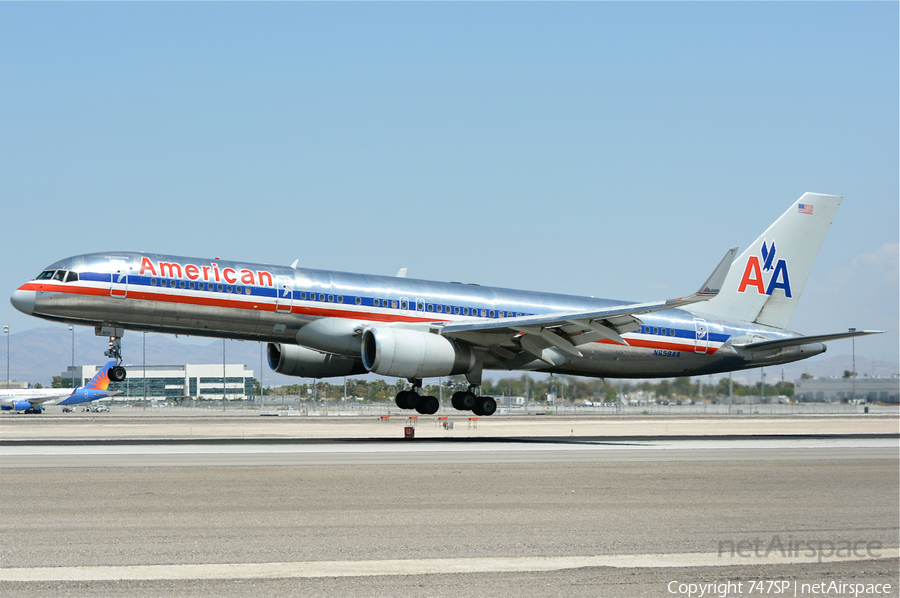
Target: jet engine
292 360
413 354
21 405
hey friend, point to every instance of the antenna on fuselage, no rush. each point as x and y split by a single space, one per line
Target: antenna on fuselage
402 273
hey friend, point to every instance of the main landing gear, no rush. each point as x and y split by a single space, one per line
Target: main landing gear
462 401
465 400
411 399
117 372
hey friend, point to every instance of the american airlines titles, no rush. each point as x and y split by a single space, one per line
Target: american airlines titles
211 273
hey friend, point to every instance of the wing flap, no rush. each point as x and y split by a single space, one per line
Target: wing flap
610 322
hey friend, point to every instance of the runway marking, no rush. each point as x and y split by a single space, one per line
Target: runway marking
309 569
376 447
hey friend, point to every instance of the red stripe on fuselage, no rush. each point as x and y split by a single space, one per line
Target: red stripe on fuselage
259 304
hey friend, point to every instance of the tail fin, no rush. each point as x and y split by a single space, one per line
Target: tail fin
100 381
765 282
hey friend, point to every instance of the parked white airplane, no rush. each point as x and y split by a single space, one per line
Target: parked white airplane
33 400
322 324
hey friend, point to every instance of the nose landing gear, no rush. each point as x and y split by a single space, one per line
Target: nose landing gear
116 373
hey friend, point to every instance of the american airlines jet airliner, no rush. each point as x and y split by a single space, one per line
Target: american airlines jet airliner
320 324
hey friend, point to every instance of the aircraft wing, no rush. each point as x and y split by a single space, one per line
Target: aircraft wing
567 330
777 344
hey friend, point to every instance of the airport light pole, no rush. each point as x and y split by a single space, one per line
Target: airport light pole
6 332
144 365
853 373
762 386
72 330
223 375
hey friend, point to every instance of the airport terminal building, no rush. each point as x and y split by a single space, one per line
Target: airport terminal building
174 382
871 390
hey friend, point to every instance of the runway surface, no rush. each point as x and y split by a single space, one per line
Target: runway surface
250 453
541 517
244 506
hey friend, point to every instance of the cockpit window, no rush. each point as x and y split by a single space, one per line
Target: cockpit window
46 274
72 277
59 275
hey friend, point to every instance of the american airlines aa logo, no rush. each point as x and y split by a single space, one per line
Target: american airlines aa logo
753 273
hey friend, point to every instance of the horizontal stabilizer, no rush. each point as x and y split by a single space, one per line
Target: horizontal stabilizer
802 340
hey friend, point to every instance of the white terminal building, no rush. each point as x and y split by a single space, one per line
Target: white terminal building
871 390
176 382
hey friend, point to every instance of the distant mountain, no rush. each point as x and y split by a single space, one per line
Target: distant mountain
38 354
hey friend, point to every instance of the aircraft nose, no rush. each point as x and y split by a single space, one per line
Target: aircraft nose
23 301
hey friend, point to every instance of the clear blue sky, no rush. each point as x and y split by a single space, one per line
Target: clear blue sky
606 149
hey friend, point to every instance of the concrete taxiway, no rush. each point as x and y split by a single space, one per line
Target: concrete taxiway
154 514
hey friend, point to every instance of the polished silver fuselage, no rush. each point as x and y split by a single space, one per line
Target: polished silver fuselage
223 299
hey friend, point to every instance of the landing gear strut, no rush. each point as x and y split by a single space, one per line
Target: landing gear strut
116 373
412 399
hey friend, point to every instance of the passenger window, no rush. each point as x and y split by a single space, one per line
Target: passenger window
671 332
493 314
330 298
219 288
182 283
394 304
430 307
359 300
662 331
376 302
152 282
228 289
321 296
404 304
420 306
465 311
340 298
247 290
440 309
655 330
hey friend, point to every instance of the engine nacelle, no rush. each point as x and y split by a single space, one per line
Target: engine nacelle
331 335
292 360
413 354
21 405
